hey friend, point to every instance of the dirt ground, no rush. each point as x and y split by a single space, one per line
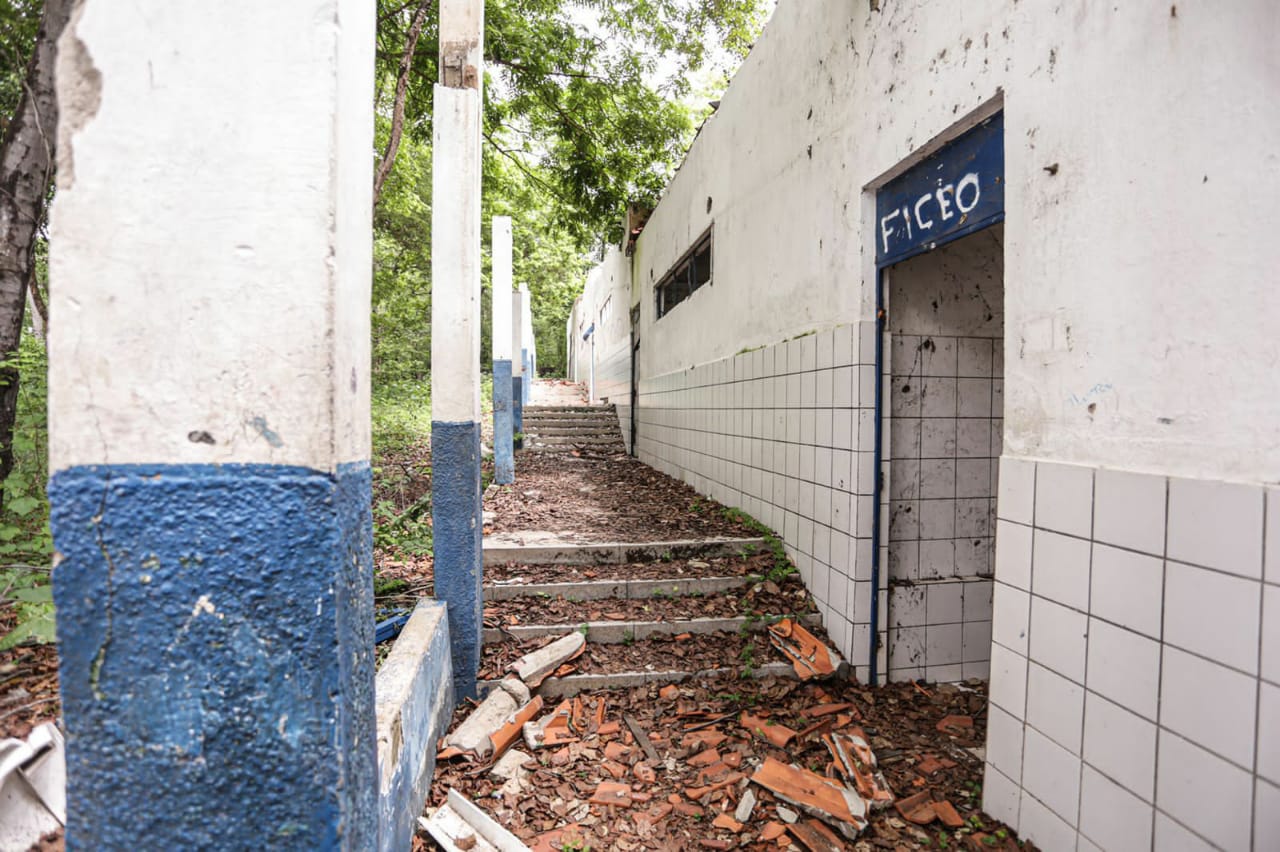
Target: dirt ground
615 498
28 684
707 750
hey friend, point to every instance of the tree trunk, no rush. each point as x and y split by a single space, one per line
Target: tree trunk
402 92
26 169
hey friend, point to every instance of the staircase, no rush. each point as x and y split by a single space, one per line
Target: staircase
569 428
656 613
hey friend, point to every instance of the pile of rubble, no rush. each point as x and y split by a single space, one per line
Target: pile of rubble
717 765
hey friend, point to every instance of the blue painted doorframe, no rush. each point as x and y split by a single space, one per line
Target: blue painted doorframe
953 193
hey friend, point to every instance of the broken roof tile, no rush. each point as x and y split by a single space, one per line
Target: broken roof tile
809 656
815 795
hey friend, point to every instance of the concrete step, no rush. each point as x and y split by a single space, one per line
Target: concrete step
571 422
571 440
595 590
530 550
574 409
596 450
620 632
567 687
561 431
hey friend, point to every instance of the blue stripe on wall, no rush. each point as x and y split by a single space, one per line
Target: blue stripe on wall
456 518
215 628
504 465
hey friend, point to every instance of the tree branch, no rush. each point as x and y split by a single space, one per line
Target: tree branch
402 93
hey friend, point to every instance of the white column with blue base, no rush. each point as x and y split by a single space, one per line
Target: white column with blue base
504 466
209 425
455 341
517 369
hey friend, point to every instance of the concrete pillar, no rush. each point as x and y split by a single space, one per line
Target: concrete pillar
209 424
517 367
455 339
503 456
526 343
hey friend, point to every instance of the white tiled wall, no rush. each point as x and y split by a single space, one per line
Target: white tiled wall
613 385
1135 670
785 433
945 397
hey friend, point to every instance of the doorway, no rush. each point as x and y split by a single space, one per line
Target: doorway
945 355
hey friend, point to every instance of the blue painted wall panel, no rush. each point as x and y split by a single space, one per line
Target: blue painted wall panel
954 192
456 518
215 638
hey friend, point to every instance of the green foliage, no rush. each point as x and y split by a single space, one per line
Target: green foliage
27 589
19 20
782 567
584 113
24 518
26 546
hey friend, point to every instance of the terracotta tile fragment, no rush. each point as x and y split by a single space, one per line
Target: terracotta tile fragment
732 760
948 814
822 726
688 809
826 709
616 751
814 794
929 765
644 773
727 822
917 808
669 692
612 794
778 735
709 739
772 830
560 838
609 729
955 724
855 760
511 731
713 843
684 637
815 836
808 655
617 770
706 757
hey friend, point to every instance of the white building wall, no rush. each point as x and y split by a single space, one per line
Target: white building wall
606 303
1135 683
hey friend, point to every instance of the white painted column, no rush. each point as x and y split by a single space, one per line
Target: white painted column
455 339
503 446
209 423
527 352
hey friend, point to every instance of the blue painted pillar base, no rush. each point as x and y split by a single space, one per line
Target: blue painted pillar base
527 368
504 463
456 518
215 630
517 410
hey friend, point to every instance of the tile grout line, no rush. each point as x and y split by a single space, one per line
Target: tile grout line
1026 684
1164 580
1257 708
1084 677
